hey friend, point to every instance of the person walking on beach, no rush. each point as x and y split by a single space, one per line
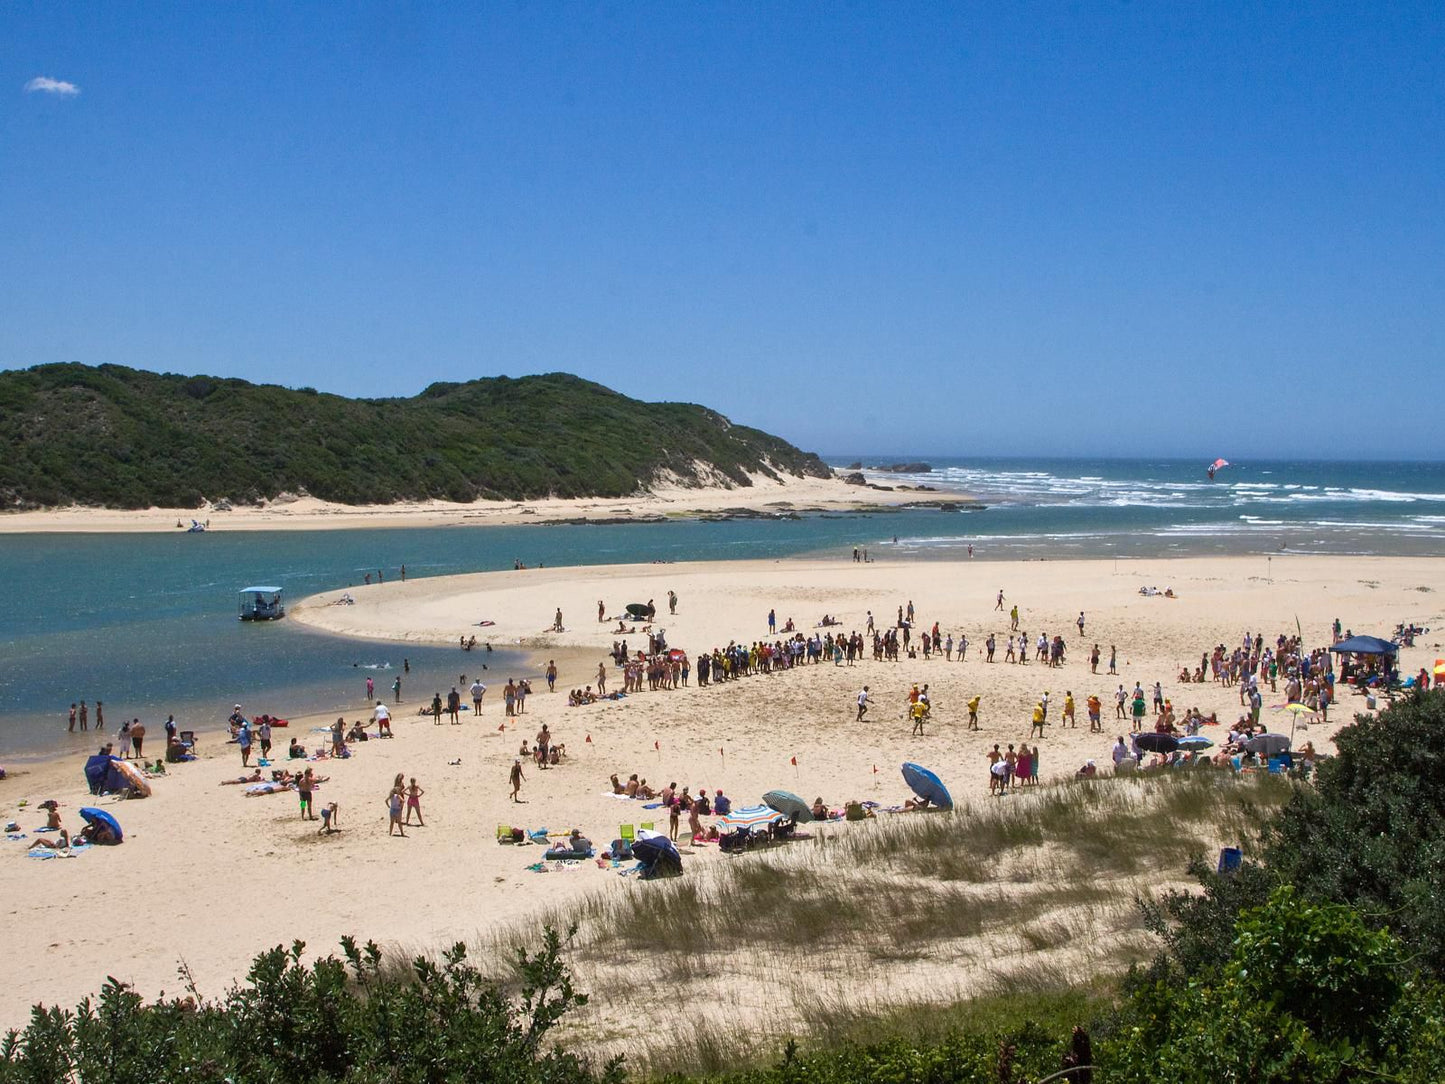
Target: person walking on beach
244 738
137 737
478 690
516 779
1080 623
999 604
973 711
862 704
263 735
1013 618
551 675
413 803
394 805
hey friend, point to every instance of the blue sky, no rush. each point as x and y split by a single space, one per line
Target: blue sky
1012 229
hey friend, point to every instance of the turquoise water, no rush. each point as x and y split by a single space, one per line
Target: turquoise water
147 622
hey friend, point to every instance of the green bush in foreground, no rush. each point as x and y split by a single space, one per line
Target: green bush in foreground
330 1021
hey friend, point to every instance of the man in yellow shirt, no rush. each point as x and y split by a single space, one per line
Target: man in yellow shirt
1069 710
973 712
1038 720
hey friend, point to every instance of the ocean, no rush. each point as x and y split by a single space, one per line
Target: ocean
147 623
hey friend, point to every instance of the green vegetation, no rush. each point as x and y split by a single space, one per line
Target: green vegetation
1317 962
124 438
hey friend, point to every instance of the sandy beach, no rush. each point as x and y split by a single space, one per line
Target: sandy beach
303 513
209 877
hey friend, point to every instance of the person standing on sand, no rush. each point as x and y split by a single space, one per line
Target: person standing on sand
396 688
137 737
1113 659
125 741
772 629
1080 623
672 602
478 690
263 734
244 738
601 678
601 612
551 675
436 709
516 779
557 620
305 785
1120 699
1013 617
454 706
862 704
973 711
413 802
394 805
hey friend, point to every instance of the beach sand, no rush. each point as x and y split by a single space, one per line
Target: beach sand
209 877
765 495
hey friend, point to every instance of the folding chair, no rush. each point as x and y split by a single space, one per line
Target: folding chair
626 833
646 826
504 833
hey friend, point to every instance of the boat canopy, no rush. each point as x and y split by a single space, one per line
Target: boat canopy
260 590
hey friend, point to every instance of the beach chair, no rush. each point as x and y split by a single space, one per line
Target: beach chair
188 738
504 833
626 833
538 835
646 826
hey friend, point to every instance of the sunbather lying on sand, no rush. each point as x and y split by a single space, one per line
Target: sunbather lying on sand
61 844
254 777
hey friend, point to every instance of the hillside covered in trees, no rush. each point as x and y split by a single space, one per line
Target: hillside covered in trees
125 438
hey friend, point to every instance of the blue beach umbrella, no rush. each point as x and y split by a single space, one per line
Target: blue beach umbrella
927 786
91 815
658 856
1196 741
789 804
753 816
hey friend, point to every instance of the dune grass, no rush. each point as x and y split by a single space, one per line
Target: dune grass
868 931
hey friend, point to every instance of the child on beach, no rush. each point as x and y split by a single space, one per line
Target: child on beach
413 802
329 820
393 805
516 779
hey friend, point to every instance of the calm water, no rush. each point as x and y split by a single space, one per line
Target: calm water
147 622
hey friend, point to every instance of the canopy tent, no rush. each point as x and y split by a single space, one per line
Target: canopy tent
1366 645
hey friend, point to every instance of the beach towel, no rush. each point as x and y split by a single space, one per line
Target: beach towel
653 805
15 835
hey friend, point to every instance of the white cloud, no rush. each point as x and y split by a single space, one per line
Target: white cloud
46 85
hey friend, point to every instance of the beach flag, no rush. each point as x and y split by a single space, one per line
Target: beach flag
794 762
720 751
657 745
589 739
875 769
502 727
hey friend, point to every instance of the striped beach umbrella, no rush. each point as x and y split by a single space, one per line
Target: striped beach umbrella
753 816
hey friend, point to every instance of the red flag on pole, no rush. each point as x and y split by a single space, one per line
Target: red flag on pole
794 762
502 727
875 769
720 752
589 739
657 745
